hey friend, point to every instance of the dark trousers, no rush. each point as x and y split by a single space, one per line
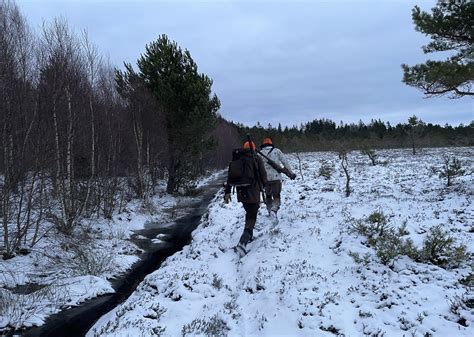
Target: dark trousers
273 191
251 211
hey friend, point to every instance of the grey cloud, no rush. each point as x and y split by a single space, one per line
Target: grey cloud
279 61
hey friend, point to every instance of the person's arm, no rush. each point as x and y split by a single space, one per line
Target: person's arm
283 160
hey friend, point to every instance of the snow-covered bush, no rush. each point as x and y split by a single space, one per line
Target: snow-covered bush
155 312
469 279
18 306
212 327
326 170
387 240
375 225
89 261
439 248
217 282
81 259
460 306
365 259
390 245
231 308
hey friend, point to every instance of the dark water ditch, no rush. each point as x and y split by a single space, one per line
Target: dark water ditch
76 321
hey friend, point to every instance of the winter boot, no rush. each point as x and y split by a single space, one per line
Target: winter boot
247 237
269 211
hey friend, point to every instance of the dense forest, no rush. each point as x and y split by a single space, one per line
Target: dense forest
327 135
79 137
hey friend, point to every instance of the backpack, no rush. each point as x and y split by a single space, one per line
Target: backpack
241 169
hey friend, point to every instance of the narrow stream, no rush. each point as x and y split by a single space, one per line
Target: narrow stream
78 320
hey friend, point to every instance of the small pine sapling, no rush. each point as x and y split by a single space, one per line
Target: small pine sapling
452 167
441 249
415 129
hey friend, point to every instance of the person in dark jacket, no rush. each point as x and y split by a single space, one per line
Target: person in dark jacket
249 196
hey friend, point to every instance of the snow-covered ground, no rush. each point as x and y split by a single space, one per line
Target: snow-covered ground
300 277
63 271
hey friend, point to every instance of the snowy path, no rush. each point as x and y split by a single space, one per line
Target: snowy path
299 278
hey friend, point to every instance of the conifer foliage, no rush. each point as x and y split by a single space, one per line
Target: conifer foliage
450 29
190 107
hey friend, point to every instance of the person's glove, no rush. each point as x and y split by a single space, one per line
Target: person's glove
227 198
292 176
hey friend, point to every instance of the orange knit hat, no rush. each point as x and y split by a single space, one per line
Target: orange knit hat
268 140
246 145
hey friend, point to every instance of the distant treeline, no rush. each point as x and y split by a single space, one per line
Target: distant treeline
325 134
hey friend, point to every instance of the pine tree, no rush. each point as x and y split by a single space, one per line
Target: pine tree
415 128
190 108
452 168
450 28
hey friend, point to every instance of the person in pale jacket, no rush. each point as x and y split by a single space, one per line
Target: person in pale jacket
273 186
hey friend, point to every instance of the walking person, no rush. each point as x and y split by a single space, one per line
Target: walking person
273 187
248 176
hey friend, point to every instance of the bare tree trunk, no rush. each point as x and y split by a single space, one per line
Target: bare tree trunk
344 164
372 158
299 165
70 217
56 144
41 207
138 132
6 186
172 167
148 152
93 63
92 137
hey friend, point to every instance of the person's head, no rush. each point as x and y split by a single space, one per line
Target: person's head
267 141
247 146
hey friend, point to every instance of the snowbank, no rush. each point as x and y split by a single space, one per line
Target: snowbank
299 279
63 271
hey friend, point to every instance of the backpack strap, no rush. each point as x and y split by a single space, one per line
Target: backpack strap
273 148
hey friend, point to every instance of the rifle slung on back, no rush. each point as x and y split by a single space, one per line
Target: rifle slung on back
257 170
277 167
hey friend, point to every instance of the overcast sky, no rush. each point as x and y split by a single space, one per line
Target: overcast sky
276 62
